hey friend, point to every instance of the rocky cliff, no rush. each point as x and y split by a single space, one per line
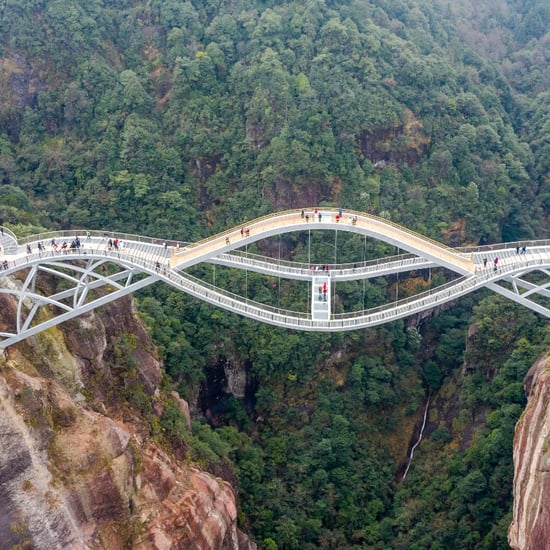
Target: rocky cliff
530 529
79 468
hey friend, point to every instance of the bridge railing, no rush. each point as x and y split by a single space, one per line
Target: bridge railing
505 246
9 232
402 228
243 225
404 301
46 237
132 256
325 211
307 266
455 288
383 313
202 288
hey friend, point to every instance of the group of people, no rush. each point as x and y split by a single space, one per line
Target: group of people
116 244
519 250
316 215
65 246
75 244
495 263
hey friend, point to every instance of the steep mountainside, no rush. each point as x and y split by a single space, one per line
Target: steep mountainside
530 529
80 469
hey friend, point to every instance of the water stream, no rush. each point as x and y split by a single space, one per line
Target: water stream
418 440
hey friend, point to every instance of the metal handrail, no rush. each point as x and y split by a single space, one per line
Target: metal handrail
82 233
9 232
307 266
508 245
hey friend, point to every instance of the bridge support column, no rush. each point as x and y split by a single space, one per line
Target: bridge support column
320 298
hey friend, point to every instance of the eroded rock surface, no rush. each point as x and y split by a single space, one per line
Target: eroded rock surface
530 528
78 471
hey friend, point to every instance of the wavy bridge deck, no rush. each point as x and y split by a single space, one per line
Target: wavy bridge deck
131 262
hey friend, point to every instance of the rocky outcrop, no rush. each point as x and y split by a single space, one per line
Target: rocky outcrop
196 509
530 528
78 467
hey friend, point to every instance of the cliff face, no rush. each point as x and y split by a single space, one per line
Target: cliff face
530 529
77 471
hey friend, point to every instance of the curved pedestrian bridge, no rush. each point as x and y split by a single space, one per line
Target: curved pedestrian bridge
96 267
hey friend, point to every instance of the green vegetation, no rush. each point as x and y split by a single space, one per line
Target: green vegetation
176 119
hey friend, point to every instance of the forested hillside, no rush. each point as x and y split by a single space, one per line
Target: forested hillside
180 118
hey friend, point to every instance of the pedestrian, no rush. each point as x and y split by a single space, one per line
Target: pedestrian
226 240
2 229
29 250
517 249
88 235
242 231
484 262
320 216
523 249
307 218
303 213
157 267
340 211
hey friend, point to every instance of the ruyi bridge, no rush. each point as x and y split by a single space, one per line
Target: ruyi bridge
95 268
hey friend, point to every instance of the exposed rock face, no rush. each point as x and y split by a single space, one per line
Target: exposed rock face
530 529
79 471
209 504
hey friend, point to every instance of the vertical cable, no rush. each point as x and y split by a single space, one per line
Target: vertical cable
333 286
364 262
397 282
279 278
309 265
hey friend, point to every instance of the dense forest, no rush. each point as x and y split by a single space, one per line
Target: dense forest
177 119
